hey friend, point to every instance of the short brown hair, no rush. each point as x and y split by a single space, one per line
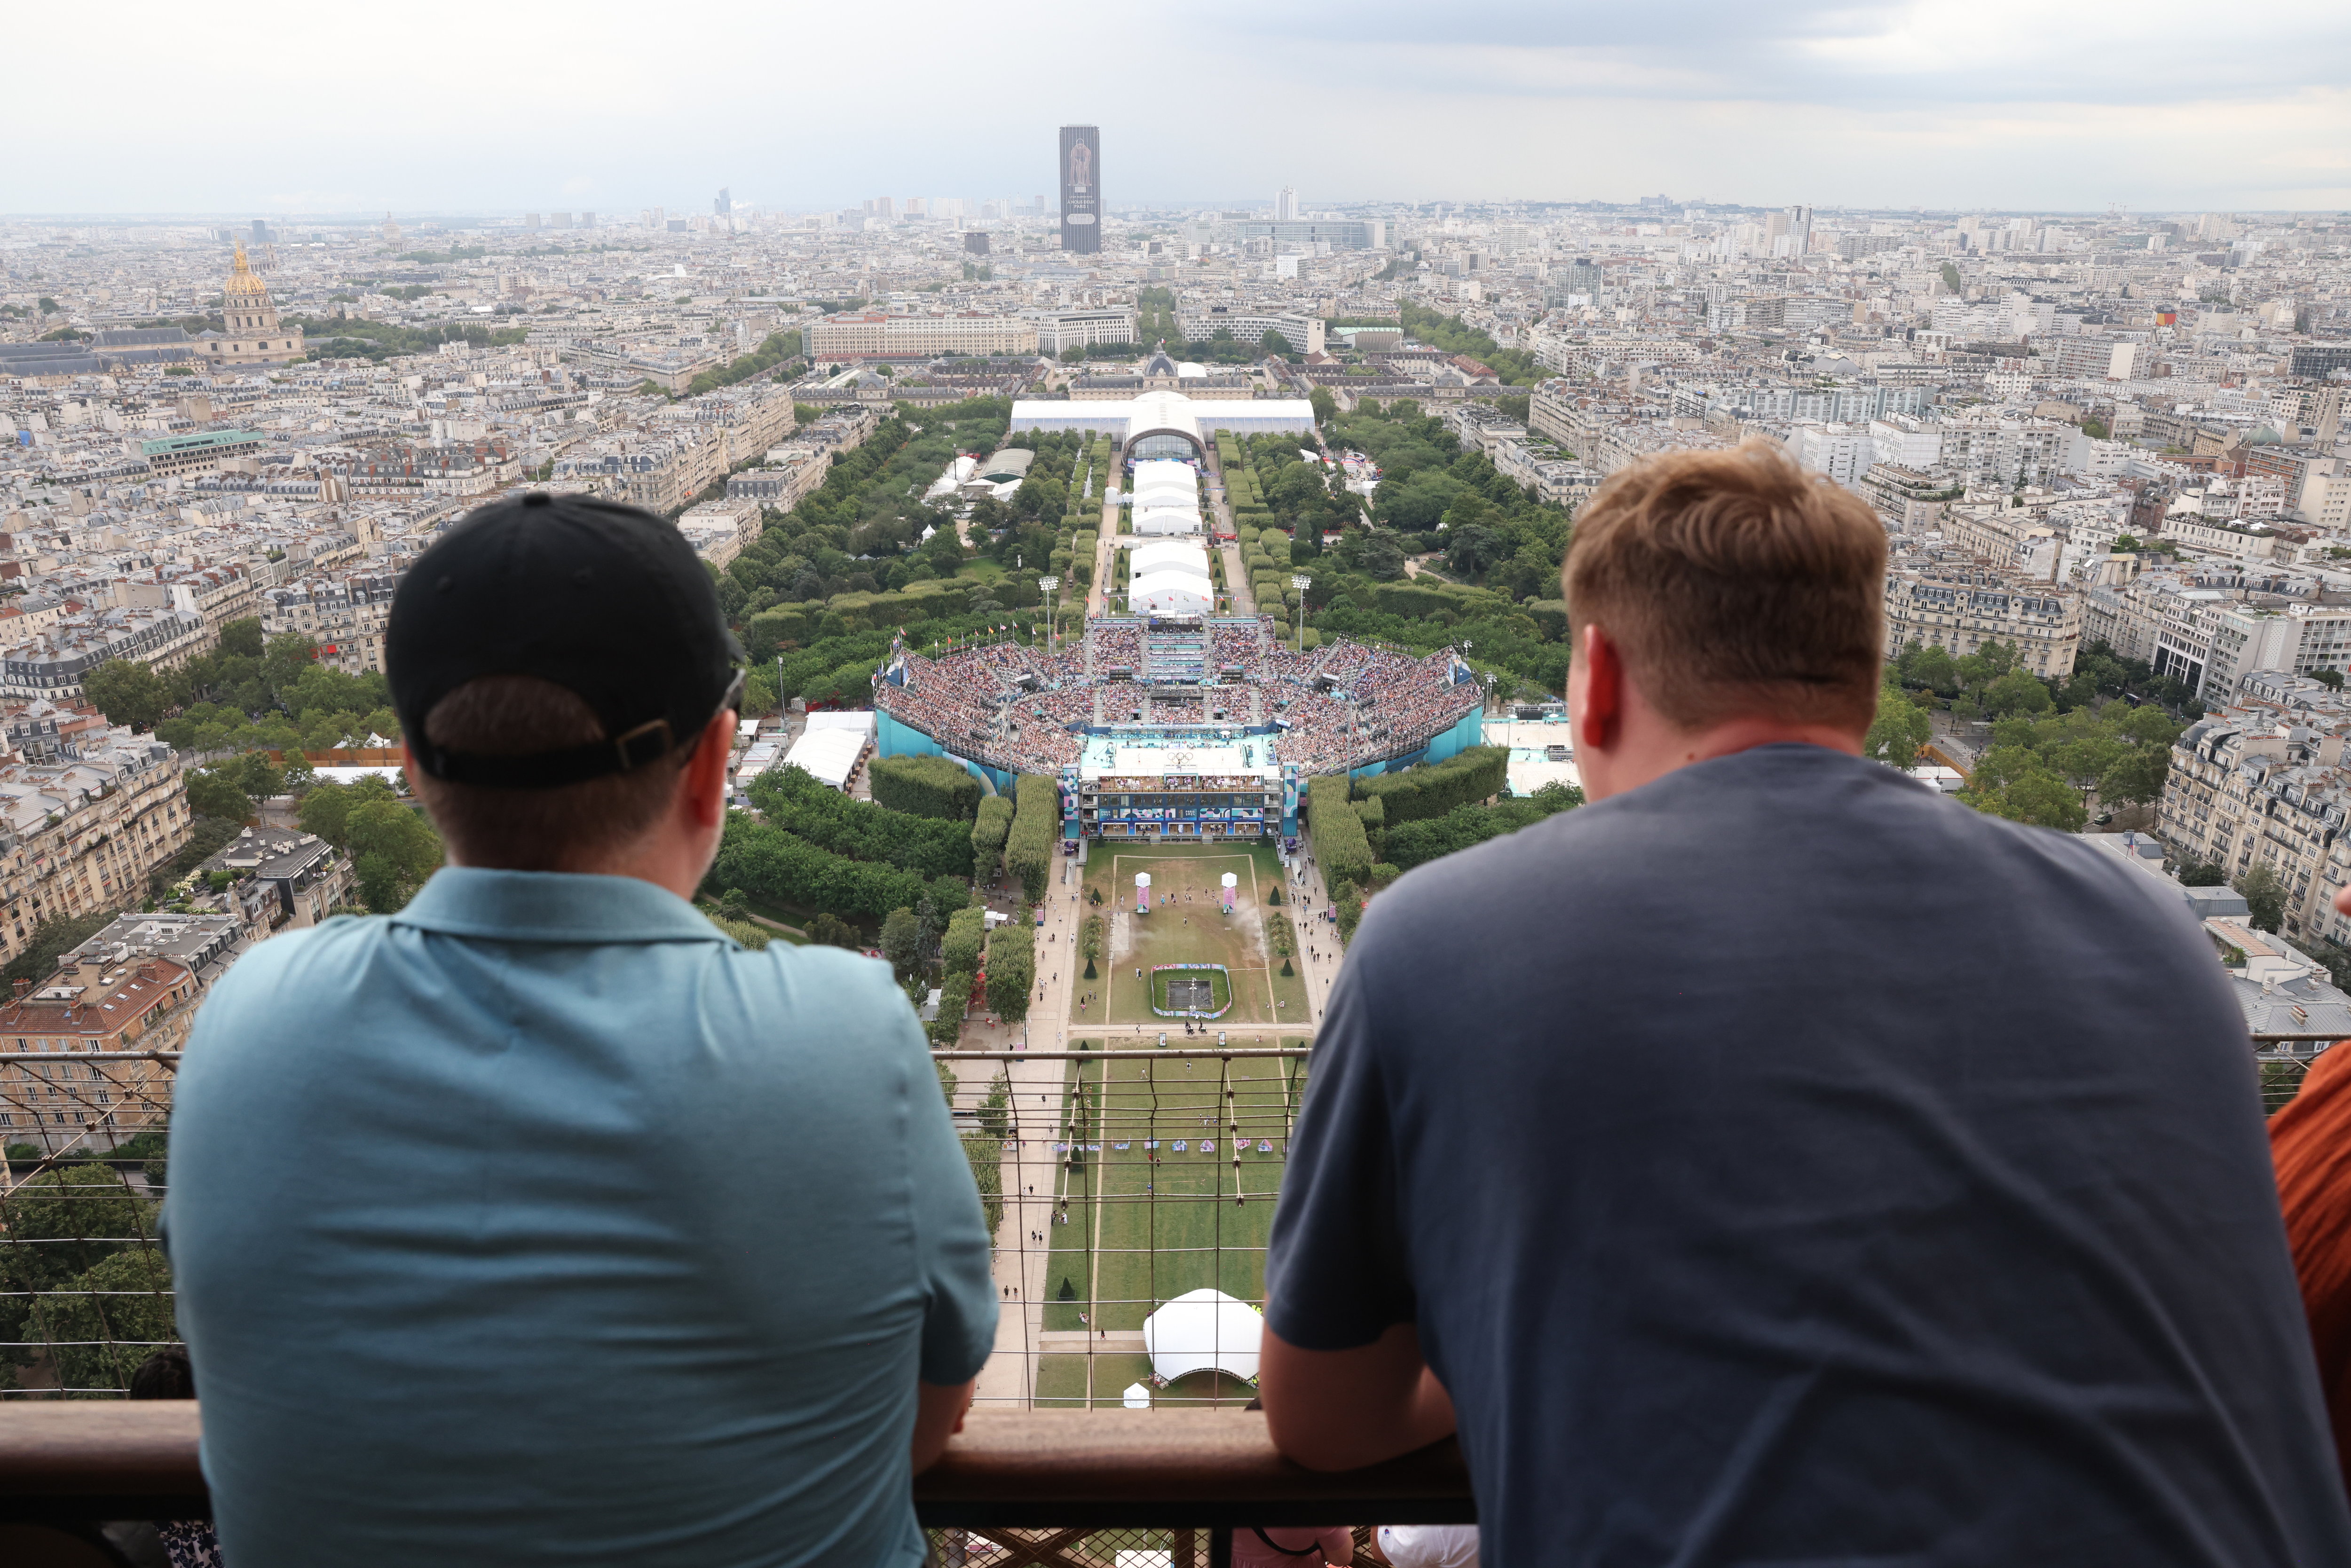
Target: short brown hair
566 829
1735 584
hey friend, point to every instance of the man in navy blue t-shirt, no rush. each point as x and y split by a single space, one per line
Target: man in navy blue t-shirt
1774 1163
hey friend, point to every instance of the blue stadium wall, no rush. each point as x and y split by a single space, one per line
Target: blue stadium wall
1466 733
892 738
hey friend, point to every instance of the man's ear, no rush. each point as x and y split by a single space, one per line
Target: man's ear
704 780
1598 678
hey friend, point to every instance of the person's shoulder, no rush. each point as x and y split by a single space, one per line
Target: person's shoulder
817 981
333 943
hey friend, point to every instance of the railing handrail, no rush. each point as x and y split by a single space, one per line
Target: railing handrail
2263 1036
85 1460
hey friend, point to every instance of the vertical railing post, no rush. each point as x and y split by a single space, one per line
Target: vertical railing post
1220 1546
1181 1551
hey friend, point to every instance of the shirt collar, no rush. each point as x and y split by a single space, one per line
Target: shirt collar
553 906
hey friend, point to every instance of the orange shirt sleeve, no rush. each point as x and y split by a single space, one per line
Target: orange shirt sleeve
2310 1140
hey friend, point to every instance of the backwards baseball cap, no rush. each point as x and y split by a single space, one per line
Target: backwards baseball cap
605 600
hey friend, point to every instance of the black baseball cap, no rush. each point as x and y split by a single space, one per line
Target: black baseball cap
606 600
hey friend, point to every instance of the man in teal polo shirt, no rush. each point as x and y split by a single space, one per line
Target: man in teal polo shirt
541 1222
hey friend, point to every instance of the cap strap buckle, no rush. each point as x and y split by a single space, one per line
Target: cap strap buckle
649 742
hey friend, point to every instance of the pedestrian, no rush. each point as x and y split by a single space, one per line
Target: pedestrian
567 694
1881 1241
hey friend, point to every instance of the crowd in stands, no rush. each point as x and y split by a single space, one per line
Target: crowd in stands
1114 646
1344 705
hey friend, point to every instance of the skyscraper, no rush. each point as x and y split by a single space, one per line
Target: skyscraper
1080 177
1285 206
723 203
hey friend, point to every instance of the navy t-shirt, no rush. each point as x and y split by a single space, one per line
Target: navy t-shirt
1784 1164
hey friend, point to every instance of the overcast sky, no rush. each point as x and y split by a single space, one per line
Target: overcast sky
272 107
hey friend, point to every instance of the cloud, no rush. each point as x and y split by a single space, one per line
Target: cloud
453 106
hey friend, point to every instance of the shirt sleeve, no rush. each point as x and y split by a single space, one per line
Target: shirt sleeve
951 1229
1336 1271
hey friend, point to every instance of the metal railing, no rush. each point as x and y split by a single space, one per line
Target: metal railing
1104 1204
1065 1489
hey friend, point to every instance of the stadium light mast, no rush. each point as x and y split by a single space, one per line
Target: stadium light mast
1048 584
1302 582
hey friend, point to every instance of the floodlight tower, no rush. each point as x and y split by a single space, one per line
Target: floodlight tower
1047 585
1302 582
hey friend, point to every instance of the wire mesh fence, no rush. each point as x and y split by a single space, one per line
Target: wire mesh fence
1131 1193
1120 1548
1135 1193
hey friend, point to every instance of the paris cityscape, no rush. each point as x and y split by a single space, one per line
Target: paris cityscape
1129 593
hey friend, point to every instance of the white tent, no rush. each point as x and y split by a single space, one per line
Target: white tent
1169 577
829 756
859 719
1201 1329
1137 1397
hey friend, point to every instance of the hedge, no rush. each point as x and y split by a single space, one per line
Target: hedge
1036 827
1550 617
987 834
954 996
1418 794
985 1152
1012 967
790 798
965 937
926 786
774 864
1339 844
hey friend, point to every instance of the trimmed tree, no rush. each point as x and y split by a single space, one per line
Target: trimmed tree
989 829
1012 967
1035 819
926 786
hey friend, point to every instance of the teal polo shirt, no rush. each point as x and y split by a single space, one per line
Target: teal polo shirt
542 1223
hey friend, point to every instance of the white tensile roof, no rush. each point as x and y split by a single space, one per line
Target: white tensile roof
1202 1329
829 756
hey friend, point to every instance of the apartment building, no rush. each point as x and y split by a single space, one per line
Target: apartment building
1959 608
282 879
2265 783
133 987
181 456
1560 481
1843 452
344 616
751 419
1302 333
52 664
1993 450
1906 499
783 481
833 340
81 833
719 531
2012 538
1061 330
1621 446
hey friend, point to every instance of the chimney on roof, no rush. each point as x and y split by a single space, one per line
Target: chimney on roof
22 987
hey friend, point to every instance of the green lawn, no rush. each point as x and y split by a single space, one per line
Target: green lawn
1192 929
1147 1226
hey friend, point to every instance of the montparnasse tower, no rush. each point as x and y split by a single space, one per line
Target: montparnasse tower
251 334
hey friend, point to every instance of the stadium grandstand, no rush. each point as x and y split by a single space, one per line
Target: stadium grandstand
1177 727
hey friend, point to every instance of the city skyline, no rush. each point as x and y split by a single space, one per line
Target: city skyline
1873 105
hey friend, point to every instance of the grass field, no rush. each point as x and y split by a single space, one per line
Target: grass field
1147 1225
1190 930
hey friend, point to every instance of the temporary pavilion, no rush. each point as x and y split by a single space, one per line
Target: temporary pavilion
1164 497
1170 576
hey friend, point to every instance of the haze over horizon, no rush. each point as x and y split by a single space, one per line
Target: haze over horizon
450 108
